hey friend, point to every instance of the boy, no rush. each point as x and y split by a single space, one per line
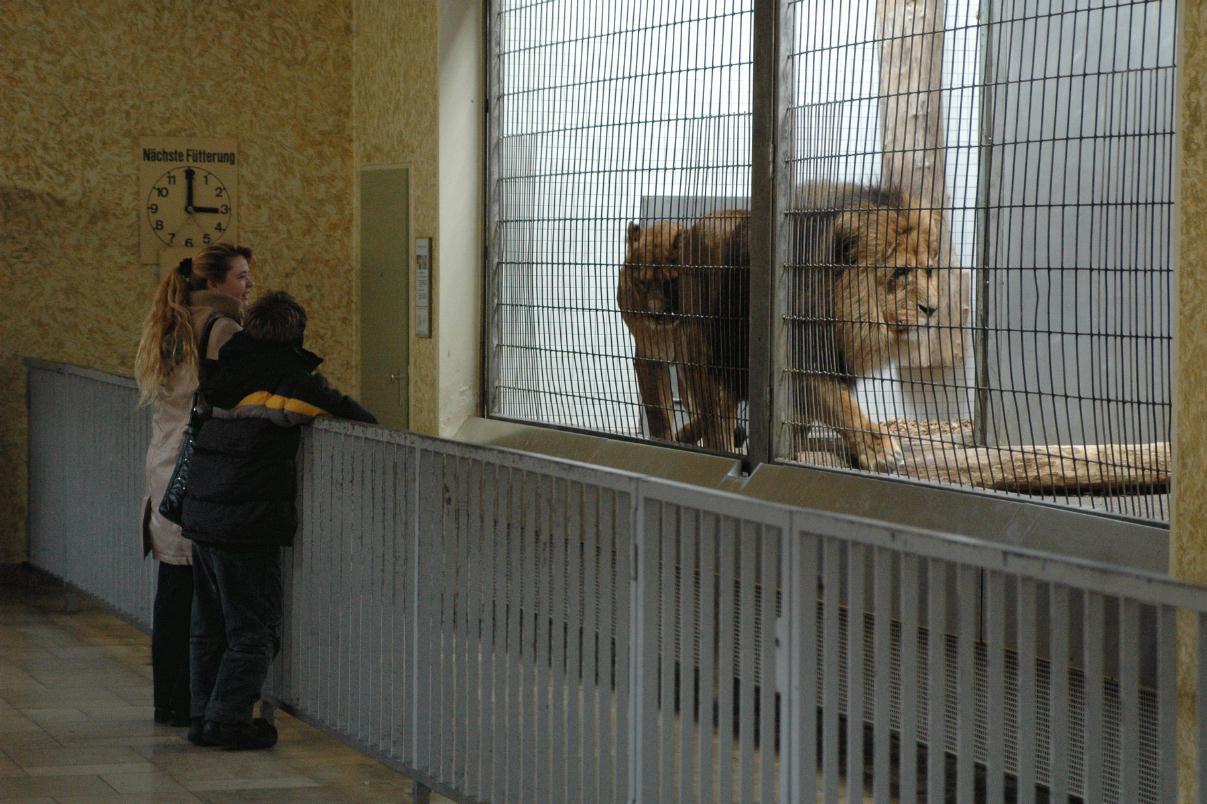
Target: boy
239 511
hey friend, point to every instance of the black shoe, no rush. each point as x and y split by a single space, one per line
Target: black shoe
171 717
197 732
240 736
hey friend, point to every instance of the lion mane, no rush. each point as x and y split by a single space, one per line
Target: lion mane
863 287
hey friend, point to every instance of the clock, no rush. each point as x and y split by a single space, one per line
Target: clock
189 207
187 196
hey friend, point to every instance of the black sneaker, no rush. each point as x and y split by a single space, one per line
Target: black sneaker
197 732
240 736
171 717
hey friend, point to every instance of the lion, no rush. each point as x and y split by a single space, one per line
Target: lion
714 335
647 294
862 288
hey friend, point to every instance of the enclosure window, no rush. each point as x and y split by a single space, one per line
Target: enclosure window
972 261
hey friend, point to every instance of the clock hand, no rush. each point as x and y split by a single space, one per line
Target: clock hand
205 209
188 199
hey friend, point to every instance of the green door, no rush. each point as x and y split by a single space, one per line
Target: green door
384 300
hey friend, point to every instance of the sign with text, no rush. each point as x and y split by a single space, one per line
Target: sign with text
423 287
187 194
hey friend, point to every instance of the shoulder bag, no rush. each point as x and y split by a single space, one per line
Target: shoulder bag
171 507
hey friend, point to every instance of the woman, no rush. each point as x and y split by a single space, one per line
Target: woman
215 285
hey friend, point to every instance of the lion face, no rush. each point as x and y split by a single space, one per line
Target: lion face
908 275
890 293
649 280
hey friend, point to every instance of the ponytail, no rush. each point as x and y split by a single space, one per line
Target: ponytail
167 336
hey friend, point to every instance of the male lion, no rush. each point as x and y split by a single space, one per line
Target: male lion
863 285
648 297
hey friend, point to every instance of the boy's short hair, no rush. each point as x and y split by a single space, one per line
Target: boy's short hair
275 317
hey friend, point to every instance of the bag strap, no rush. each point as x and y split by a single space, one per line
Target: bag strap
204 348
202 359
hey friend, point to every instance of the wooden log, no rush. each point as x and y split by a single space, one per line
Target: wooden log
940 454
1043 469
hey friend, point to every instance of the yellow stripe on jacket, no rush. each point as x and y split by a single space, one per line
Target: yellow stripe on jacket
278 402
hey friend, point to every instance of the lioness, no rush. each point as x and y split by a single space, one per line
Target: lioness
647 294
714 335
863 284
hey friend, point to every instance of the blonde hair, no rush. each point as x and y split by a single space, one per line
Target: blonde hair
168 339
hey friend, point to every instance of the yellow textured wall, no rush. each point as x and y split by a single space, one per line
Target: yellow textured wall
1189 516
394 115
80 83
1188 519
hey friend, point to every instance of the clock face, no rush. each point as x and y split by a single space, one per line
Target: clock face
189 207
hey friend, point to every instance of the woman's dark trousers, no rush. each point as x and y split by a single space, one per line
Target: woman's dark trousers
236 628
170 638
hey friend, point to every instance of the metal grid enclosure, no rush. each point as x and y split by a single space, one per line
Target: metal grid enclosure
975 244
615 128
957 268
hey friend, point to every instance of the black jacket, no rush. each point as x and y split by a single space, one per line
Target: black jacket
243 479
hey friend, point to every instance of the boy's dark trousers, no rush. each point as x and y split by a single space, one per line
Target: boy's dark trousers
236 629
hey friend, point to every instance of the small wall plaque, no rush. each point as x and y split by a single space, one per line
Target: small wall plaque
423 287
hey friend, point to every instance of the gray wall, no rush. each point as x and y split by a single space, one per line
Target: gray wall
1081 113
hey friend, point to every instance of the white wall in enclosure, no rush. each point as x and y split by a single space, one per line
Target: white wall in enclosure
1080 216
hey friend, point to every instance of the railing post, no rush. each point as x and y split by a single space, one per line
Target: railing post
413 656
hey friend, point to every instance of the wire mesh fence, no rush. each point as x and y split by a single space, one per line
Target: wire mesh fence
971 270
615 126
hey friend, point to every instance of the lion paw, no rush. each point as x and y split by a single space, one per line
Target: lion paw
879 453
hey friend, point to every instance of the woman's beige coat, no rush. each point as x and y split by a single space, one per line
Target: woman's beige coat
167 426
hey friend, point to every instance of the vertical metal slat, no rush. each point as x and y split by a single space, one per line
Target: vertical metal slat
882 692
1129 699
1026 690
1058 708
728 538
856 580
687 537
573 560
936 725
966 686
910 673
831 578
748 545
769 683
995 678
668 538
707 630
1167 700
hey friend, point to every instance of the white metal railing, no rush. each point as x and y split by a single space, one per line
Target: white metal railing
505 627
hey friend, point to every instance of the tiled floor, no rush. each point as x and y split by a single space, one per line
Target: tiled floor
75 722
